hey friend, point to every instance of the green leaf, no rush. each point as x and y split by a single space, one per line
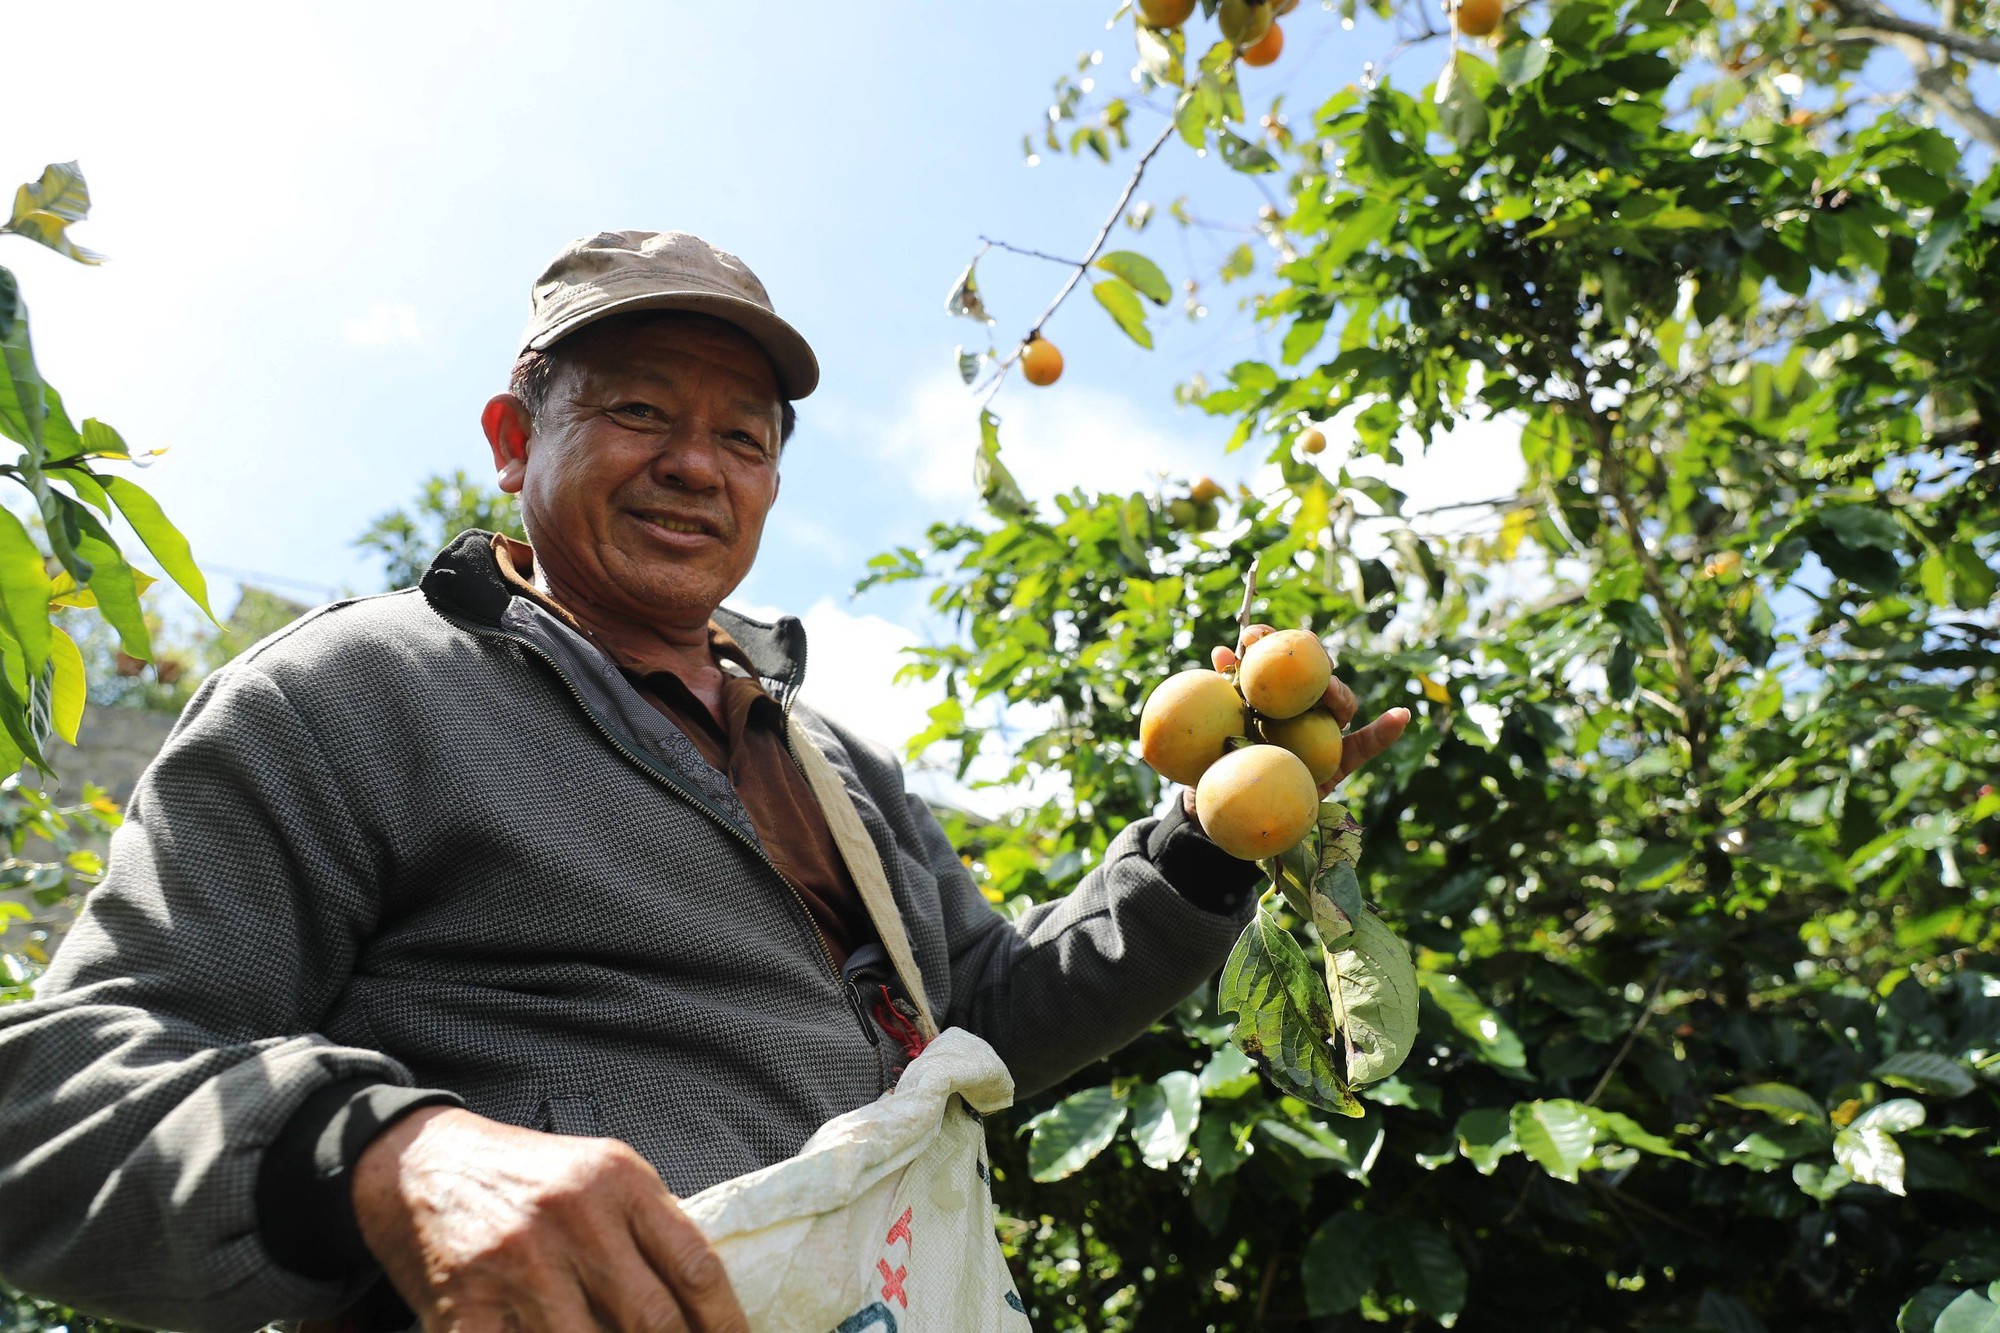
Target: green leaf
1117 297
112 580
1894 1116
1164 1116
1342 1260
1374 990
1927 1072
1780 1100
1871 1156
1242 155
1494 1041
1161 53
995 483
1141 272
1228 1074
161 537
1460 111
1632 1134
1936 247
66 686
1724 1313
22 391
1920 1313
965 299
1074 1130
24 591
1859 527
1485 1134
1285 1016
1425 1267
1523 62
1970 1313
44 210
10 301
1654 863
100 441
1558 1135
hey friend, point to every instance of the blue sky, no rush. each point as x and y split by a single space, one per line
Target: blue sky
323 220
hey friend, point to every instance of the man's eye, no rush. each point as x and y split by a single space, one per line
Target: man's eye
642 410
748 441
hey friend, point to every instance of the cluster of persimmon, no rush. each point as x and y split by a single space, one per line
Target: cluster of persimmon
1256 744
1251 26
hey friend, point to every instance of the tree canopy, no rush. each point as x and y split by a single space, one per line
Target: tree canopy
1691 838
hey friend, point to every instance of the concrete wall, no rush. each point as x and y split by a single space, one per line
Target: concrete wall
113 747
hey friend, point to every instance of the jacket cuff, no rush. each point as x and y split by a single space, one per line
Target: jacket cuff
1198 870
305 1200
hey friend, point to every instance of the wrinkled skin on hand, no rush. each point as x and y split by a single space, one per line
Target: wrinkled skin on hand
484 1227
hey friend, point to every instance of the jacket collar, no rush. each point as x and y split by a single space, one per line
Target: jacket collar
464 583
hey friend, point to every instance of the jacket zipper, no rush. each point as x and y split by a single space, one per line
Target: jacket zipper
825 953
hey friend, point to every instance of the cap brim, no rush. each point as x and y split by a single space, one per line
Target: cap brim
791 356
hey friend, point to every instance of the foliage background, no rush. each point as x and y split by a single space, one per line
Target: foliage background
1692 836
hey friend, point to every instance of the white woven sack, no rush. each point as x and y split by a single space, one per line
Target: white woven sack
884 1221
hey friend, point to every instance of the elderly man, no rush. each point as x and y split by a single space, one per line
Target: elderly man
456 932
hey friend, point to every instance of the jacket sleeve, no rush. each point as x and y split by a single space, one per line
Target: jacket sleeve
174 1033
1072 980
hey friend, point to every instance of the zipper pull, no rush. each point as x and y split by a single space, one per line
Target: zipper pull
861 1012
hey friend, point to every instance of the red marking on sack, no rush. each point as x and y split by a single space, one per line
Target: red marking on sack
892 1283
894 1022
901 1231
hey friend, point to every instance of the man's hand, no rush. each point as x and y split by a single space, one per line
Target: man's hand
1357 747
482 1226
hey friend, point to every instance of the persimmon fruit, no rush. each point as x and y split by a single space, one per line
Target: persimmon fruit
1188 722
1314 736
1257 802
1266 48
1477 18
1041 362
1284 674
1165 13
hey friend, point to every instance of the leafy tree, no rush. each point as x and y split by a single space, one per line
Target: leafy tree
1692 835
42 680
446 504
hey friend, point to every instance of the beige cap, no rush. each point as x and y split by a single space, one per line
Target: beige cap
617 272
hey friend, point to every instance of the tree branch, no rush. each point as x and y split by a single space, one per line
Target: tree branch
1872 20
1080 266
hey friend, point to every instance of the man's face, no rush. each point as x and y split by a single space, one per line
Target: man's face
645 479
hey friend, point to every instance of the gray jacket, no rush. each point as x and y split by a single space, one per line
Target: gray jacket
434 838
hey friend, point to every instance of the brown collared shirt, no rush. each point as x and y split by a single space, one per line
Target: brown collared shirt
747 745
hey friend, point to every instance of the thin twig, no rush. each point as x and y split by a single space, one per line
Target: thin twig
1243 614
1079 266
1645 1017
1032 254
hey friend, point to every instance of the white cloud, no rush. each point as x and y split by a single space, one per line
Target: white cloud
850 671
386 324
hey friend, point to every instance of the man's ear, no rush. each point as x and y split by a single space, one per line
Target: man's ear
509 426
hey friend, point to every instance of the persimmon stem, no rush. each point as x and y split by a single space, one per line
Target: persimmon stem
1243 614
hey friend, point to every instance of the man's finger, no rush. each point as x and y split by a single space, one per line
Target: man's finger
1221 658
679 1253
630 1297
1341 701
1361 746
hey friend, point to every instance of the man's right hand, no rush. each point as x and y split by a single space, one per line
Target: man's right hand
482 1226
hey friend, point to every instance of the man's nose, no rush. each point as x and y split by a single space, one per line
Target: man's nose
690 457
